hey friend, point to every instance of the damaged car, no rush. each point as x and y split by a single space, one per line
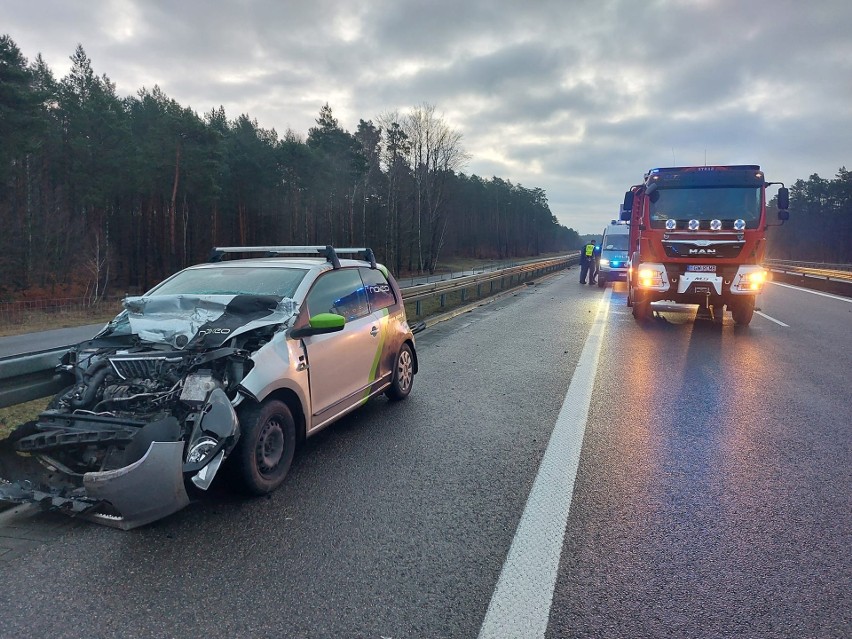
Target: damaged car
220 370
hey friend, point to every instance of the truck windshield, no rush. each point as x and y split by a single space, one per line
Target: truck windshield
721 203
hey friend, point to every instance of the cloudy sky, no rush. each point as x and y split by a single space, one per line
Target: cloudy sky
577 97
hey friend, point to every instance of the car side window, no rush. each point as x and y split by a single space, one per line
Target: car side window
341 292
379 291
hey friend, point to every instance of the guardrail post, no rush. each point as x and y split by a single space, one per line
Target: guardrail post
463 294
417 307
443 299
479 290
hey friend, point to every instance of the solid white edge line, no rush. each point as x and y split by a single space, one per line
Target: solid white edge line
772 319
807 290
520 605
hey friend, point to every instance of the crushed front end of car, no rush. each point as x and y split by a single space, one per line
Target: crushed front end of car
149 409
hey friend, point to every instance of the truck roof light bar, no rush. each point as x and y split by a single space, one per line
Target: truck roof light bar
329 252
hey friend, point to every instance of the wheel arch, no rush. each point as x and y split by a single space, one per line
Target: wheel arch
292 401
410 343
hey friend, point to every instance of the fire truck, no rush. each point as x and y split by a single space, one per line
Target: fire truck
698 236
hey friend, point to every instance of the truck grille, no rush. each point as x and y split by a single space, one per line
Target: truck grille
699 251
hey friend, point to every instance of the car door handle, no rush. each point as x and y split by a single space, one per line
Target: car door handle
374 331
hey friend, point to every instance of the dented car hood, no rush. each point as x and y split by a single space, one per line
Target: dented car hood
205 321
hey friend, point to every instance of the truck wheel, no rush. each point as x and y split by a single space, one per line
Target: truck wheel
601 281
641 308
403 374
718 313
743 311
264 452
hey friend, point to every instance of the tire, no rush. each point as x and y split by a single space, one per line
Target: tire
743 311
641 308
601 281
265 449
718 313
403 374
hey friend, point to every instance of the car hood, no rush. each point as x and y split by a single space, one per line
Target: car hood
206 321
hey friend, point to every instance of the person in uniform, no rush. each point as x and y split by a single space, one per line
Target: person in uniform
587 259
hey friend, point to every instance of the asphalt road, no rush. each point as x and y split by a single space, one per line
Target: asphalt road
711 499
46 340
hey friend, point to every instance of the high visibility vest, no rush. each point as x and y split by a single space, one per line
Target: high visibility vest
590 250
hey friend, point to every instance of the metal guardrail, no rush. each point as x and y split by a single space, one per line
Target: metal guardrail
32 376
824 266
830 278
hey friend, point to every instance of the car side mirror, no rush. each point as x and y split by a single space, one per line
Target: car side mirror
320 324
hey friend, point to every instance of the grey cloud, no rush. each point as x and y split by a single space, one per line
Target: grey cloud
580 98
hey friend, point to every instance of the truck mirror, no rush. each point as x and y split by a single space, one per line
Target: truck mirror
783 215
783 199
627 207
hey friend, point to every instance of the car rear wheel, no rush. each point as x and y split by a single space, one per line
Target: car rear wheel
403 374
266 446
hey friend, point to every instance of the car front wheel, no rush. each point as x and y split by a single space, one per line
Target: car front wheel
403 374
266 446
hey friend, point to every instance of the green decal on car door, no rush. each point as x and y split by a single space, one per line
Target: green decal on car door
374 369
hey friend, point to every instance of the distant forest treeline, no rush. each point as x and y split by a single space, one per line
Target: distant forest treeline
820 224
98 191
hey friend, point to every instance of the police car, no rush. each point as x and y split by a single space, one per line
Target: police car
614 253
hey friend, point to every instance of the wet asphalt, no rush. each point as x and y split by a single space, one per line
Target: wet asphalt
712 498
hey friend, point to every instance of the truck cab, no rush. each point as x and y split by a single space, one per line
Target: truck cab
698 236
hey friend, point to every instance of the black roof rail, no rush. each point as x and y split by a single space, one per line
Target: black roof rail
329 252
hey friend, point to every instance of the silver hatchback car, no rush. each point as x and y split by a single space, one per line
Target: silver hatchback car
225 365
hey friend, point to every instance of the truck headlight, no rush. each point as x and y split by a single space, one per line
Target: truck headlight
604 261
652 278
749 279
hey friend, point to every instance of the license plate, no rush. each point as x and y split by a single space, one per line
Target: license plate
701 268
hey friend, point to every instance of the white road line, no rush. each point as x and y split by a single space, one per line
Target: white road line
520 605
807 290
772 319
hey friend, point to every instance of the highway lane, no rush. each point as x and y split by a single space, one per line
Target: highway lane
724 513
713 496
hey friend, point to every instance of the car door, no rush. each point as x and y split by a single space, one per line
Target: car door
340 364
381 296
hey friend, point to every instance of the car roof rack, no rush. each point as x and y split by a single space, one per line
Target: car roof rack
329 252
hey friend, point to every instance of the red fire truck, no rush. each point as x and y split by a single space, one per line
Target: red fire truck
698 236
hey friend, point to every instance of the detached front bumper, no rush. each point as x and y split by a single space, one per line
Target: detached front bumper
145 491
134 495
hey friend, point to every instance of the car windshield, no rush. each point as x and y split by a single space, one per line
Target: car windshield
616 243
232 280
723 203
